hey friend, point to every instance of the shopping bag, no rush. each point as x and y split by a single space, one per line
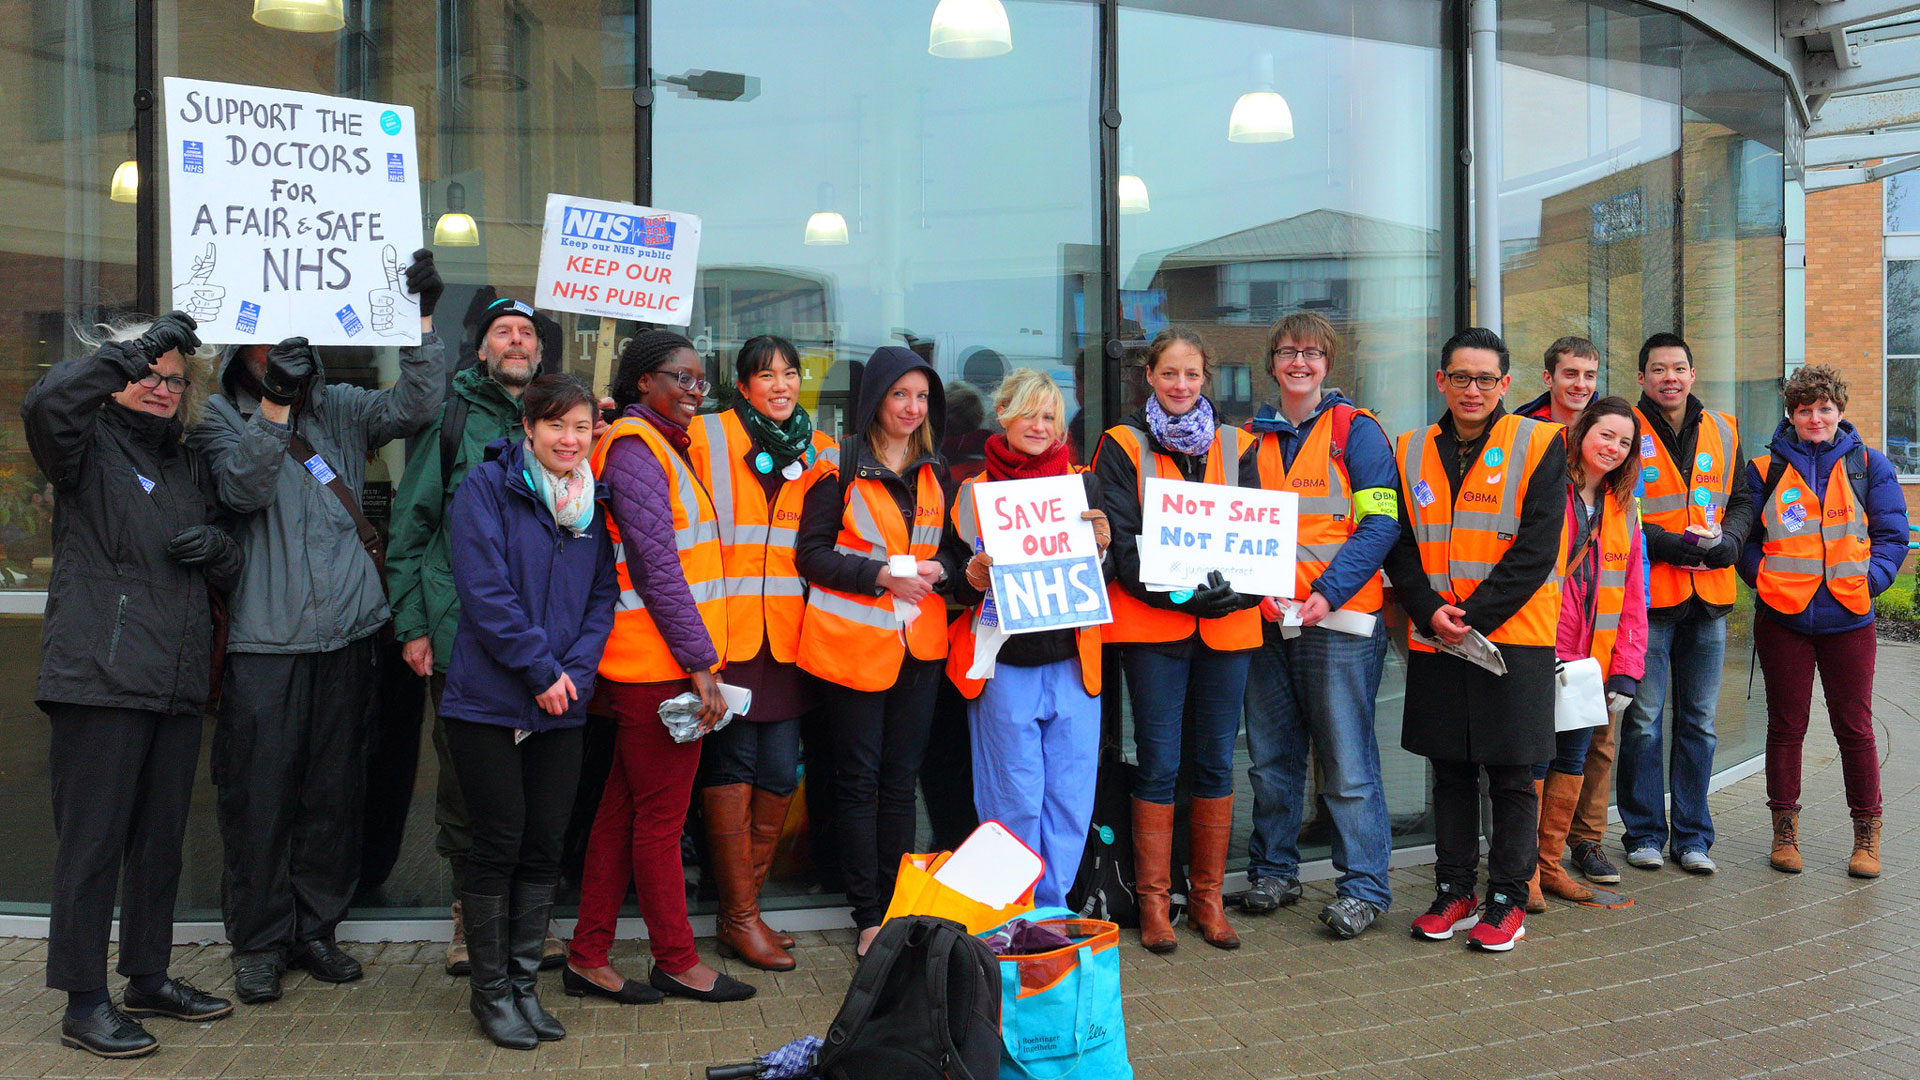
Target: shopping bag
1580 695
916 893
1060 1013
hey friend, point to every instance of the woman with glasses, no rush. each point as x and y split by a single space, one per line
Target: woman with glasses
124 666
667 626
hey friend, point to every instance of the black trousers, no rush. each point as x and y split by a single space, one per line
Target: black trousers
764 755
122 782
879 741
1513 850
522 796
289 757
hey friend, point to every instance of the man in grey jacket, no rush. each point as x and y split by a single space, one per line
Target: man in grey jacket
288 452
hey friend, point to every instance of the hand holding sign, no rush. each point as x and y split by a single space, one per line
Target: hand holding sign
198 296
391 310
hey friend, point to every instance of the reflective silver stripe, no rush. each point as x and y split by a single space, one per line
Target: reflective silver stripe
1427 532
875 552
1146 465
865 528
743 534
1330 505
964 521
1467 570
1727 451
779 535
1848 569
1616 579
720 474
924 536
832 455
1230 440
1440 583
1424 532
835 604
765 586
1606 620
629 601
1480 519
1662 504
1507 521
703 591
1786 564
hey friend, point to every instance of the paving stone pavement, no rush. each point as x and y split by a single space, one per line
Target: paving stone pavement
1746 973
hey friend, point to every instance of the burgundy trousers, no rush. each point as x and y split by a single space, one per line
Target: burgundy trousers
1845 663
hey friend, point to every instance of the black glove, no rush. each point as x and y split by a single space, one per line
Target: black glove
174 330
1720 556
291 365
1216 599
197 545
424 281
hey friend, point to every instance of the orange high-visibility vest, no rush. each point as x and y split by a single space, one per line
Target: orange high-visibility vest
1326 507
1134 620
856 640
765 595
636 653
1615 542
1797 556
1461 540
966 626
1672 502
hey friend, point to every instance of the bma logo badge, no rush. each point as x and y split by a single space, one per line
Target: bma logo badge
1703 462
1493 457
1701 496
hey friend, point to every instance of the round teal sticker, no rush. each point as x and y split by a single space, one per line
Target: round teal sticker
390 122
1791 495
1701 496
763 461
1493 457
1180 596
1649 474
1106 834
1703 462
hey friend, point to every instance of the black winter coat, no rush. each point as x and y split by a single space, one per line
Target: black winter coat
126 627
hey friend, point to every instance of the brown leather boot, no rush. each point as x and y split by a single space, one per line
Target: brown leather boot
1209 823
768 817
1153 873
730 850
1866 848
1536 903
1786 841
1559 799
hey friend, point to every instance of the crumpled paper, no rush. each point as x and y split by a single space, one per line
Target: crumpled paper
682 716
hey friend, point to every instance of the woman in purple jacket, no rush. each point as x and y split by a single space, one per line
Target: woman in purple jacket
534 571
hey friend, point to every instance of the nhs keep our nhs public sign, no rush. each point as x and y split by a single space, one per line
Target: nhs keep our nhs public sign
618 260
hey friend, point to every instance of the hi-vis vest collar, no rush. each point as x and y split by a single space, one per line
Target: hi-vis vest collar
1668 488
1503 521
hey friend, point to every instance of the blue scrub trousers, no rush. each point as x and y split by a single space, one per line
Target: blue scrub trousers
1036 755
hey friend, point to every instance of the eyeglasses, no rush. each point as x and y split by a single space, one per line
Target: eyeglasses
153 379
1459 380
687 382
1291 353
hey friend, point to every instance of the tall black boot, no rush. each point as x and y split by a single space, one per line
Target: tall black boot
492 999
526 943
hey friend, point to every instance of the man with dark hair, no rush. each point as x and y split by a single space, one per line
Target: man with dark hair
1482 502
1572 375
1695 514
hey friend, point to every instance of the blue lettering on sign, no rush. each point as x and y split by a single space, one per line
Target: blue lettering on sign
249 318
348 320
193 156
317 465
646 232
1493 457
397 168
1050 593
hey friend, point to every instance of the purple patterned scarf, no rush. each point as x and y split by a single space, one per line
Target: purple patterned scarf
1190 434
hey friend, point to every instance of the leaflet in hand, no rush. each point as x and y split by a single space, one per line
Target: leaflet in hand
1474 649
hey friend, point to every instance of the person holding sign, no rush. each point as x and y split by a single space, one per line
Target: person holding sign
875 627
288 451
1175 646
1035 723
1320 684
1482 500
1831 536
758 460
1603 614
667 627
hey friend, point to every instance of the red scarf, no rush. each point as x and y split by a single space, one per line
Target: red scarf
1006 463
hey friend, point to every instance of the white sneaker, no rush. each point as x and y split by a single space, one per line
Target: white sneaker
1696 862
1646 858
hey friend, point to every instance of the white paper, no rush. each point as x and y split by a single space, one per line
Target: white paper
1580 695
738 698
292 214
1476 649
992 867
617 260
1188 530
1357 623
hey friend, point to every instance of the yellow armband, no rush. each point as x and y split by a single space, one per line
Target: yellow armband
1378 500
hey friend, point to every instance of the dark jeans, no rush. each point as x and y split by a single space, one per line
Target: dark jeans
524 798
764 755
1685 662
122 781
289 757
1845 662
1513 850
1569 753
1161 685
879 741
452 839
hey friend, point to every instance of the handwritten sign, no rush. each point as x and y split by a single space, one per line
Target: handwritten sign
618 260
1248 534
1046 565
292 213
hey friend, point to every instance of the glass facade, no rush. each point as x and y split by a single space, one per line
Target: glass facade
1125 166
1901 195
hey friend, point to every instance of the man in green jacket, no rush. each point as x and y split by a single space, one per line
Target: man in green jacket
484 406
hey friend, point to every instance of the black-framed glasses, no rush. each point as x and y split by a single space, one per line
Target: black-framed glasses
1291 353
153 379
1459 380
687 382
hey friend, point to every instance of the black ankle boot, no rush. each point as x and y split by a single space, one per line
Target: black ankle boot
492 998
526 946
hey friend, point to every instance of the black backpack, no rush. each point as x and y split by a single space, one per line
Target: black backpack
924 1005
1103 886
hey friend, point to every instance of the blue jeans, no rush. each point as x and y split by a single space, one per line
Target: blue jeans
1160 685
1320 685
1569 753
1036 755
1685 658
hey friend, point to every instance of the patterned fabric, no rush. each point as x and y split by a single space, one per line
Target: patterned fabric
1190 433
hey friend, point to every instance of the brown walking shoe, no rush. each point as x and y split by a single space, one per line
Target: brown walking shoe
1866 848
458 964
1786 841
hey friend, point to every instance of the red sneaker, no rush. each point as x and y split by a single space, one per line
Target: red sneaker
1502 925
1452 910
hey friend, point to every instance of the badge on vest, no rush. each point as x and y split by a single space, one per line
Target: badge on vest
145 483
1423 493
1646 446
317 465
1794 517
1649 474
793 470
1703 462
1791 495
1701 496
1493 457
763 462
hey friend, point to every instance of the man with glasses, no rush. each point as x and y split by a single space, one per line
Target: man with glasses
1482 503
1319 683
287 451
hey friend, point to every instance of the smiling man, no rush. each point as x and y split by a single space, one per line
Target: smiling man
1572 375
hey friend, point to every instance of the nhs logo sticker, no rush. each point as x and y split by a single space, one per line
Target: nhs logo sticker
193 156
249 318
1793 517
397 168
582 223
1646 446
145 484
349 321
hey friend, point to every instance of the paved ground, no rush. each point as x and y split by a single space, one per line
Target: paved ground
1746 973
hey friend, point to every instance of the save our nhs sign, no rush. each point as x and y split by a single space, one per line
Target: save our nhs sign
618 260
1046 564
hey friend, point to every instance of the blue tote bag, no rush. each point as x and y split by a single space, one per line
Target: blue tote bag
1060 1013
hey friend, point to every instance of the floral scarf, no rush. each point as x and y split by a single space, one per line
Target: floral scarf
1190 433
568 496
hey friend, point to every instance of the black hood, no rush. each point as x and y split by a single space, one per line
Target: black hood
884 368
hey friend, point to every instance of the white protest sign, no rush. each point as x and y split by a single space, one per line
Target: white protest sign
1046 565
293 214
618 260
1248 534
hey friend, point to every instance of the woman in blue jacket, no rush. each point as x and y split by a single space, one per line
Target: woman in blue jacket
1829 535
534 570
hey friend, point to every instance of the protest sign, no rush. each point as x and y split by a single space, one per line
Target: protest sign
1046 565
1248 534
618 260
293 214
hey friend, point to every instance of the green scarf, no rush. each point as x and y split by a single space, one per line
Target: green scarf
784 443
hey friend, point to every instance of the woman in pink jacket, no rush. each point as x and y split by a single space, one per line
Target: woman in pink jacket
1603 613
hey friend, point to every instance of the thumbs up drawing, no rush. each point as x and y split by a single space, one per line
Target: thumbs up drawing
392 309
198 296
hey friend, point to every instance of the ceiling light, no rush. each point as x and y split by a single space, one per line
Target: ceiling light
456 227
1261 115
304 16
126 183
969 30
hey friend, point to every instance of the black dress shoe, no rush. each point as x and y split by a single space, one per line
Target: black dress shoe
725 988
630 992
107 1032
176 999
257 984
325 961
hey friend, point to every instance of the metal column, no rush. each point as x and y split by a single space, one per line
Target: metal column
1483 19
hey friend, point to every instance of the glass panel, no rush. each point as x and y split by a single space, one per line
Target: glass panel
1903 308
1902 194
1903 413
